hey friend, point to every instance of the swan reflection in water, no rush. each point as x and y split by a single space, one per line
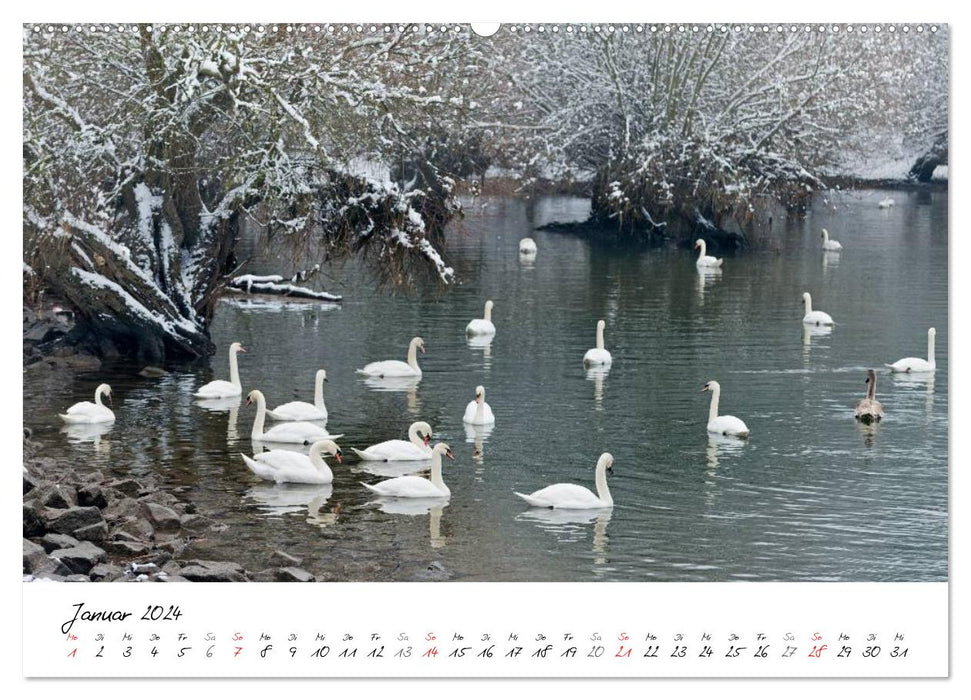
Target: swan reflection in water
433 507
401 384
224 404
917 381
315 517
707 276
831 260
478 435
392 469
483 343
810 332
568 525
597 376
89 432
280 499
723 445
869 431
527 260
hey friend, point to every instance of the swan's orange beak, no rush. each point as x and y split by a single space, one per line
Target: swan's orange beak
108 396
422 348
242 349
249 401
338 456
704 388
428 439
448 453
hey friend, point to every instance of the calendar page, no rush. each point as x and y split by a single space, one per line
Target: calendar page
523 350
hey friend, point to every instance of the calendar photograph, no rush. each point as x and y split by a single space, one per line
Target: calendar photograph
520 303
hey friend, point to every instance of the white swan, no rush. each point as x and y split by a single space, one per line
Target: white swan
87 412
705 260
573 497
286 467
722 425
814 318
885 203
484 325
598 356
828 244
414 448
417 486
301 433
397 368
918 364
869 410
478 412
527 246
220 388
301 410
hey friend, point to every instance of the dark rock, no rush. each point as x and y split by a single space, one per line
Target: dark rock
119 534
80 559
173 579
122 507
292 573
194 522
30 482
129 487
34 523
92 495
38 331
280 558
151 372
126 548
34 557
218 571
60 496
174 546
162 517
52 541
172 568
93 533
70 520
264 576
106 572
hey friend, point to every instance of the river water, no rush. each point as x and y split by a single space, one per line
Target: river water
811 496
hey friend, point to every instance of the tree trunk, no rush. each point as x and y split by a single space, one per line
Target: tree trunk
923 169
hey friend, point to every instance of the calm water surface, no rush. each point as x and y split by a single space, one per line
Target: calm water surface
811 496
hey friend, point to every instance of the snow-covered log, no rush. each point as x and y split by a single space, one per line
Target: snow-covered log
275 284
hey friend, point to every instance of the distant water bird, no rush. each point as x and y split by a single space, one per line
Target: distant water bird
478 412
87 412
814 318
885 203
573 497
418 486
918 364
288 467
301 433
527 246
705 260
220 388
598 356
301 410
484 325
414 448
397 368
722 425
869 410
830 244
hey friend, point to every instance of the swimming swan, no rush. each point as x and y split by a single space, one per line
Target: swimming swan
706 260
722 425
484 325
287 467
417 486
414 448
885 203
828 244
598 356
300 433
220 388
869 410
814 318
527 246
478 412
573 497
397 368
301 410
87 412
918 364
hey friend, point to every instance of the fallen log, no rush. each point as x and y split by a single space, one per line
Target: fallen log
275 284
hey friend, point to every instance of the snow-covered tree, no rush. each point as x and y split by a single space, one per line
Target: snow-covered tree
144 148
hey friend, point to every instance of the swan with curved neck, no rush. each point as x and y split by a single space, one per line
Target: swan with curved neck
417 486
87 412
598 356
301 433
220 388
478 412
705 260
301 410
869 410
722 425
288 467
830 244
414 448
573 497
918 364
885 203
814 318
484 325
397 368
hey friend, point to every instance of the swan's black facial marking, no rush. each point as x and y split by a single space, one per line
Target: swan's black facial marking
610 470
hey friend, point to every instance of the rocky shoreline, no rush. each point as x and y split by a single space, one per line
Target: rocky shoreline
86 527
